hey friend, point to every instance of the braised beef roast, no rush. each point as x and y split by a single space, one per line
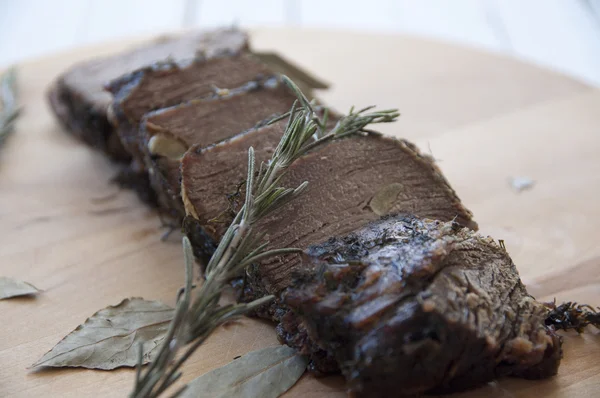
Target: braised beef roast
417 306
80 103
394 288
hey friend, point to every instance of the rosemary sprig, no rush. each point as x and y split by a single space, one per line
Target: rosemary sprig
8 103
241 246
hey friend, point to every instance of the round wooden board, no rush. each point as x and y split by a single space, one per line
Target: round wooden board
486 118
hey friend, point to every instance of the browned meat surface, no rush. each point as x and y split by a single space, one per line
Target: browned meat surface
416 306
168 133
78 98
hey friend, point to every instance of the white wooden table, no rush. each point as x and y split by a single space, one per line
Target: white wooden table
563 35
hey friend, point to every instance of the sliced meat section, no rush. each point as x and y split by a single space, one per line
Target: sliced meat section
409 306
213 177
78 98
168 133
352 181
223 167
168 84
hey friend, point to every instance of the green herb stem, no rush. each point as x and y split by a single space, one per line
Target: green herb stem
8 103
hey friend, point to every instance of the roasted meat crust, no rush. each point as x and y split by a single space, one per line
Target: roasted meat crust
417 306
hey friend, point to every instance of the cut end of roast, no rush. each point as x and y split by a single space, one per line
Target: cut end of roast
417 306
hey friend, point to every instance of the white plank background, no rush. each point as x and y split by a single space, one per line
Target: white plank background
563 35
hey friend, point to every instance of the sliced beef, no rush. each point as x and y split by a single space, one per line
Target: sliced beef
414 306
224 195
352 181
170 83
166 134
217 173
78 98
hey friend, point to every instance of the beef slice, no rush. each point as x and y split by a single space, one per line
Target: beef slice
213 176
413 306
80 102
168 133
170 83
351 182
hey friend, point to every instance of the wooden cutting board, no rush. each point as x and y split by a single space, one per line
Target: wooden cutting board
486 118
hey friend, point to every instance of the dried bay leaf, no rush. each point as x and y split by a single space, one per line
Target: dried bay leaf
14 288
265 373
110 338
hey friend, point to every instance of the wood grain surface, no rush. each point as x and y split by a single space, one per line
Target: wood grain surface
87 244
